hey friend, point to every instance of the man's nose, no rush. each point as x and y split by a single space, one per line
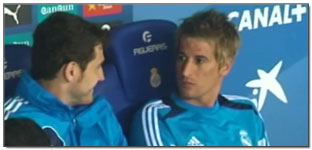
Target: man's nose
187 68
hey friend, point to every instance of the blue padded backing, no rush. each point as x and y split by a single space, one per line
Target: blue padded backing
134 58
17 58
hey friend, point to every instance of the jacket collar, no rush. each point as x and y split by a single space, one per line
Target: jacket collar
33 92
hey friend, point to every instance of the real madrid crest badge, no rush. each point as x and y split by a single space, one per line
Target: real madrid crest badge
155 79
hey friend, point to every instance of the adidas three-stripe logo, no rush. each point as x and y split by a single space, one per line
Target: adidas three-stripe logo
12 105
150 123
194 142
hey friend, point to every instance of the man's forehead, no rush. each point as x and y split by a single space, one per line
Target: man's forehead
98 46
99 52
188 51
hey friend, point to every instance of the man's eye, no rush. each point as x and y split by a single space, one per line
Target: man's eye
181 58
200 60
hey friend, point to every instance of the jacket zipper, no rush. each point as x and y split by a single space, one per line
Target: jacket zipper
76 131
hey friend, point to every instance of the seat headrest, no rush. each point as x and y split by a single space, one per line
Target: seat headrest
16 59
143 53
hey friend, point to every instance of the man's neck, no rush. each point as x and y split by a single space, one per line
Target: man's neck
205 101
57 89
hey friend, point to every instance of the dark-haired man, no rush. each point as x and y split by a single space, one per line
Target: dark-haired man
57 92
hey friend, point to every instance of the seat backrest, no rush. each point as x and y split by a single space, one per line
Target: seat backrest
140 66
16 59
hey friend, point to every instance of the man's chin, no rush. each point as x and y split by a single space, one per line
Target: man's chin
88 100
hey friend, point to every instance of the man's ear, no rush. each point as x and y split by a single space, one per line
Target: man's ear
71 71
226 68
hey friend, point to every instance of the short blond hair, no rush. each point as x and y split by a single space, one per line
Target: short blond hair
215 28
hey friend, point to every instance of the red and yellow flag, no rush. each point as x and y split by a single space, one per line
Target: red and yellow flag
92 10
